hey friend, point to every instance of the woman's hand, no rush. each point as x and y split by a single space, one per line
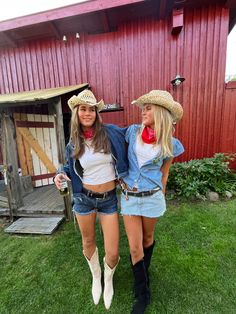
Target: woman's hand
59 178
122 184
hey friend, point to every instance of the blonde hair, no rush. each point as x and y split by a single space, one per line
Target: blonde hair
100 140
163 127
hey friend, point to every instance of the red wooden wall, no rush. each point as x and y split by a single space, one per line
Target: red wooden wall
228 131
142 55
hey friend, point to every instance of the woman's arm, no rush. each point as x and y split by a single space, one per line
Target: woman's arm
165 172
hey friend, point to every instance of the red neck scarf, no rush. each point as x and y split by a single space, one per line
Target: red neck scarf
148 135
88 134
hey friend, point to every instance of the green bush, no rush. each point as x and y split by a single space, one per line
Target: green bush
197 177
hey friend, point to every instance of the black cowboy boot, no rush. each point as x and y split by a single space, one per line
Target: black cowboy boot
142 293
147 257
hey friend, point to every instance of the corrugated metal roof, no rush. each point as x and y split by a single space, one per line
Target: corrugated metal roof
41 94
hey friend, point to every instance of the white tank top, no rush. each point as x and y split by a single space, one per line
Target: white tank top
98 167
145 152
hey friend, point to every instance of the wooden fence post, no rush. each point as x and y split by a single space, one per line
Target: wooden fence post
10 160
57 108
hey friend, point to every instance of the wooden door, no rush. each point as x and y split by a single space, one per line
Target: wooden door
37 146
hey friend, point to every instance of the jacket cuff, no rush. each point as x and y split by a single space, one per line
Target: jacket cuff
122 174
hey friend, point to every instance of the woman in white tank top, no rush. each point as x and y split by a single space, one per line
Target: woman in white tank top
94 169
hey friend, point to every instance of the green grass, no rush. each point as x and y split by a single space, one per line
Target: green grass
193 268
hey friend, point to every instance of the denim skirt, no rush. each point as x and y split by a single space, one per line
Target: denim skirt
152 206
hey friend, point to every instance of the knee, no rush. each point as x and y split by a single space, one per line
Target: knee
88 242
112 257
147 240
136 251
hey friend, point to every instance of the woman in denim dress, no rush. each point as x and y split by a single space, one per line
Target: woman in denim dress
96 156
150 152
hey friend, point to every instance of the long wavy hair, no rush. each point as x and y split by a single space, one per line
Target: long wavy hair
100 142
163 126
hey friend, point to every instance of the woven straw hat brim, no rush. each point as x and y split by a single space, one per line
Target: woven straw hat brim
75 101
174 107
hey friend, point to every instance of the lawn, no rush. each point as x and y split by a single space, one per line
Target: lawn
193 269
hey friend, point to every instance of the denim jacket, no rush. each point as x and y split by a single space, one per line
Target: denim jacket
149 175
116 136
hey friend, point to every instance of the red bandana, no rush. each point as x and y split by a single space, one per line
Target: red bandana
88 134
148 135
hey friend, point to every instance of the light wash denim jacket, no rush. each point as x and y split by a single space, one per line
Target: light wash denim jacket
116 137
149 175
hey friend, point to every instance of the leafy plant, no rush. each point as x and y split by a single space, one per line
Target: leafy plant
197 177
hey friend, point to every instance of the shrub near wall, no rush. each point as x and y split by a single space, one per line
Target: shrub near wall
196 178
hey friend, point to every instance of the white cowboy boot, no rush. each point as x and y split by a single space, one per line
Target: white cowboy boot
96 273
108 283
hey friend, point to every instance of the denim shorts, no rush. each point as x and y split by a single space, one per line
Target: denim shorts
152 206
84 205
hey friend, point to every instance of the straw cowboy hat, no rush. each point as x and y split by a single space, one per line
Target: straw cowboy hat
161 98
86 97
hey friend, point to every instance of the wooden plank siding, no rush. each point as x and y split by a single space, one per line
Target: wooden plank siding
140 56
228 134
37 146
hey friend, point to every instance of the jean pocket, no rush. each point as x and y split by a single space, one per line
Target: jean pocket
158 195
78 198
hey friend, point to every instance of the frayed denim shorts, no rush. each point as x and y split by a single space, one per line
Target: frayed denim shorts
152 206
85 205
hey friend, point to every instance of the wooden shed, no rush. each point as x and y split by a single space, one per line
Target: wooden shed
125 48
33 138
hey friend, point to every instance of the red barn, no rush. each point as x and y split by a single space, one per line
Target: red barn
125 48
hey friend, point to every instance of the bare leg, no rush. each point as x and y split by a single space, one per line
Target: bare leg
87 228
149 225
134 231
110 228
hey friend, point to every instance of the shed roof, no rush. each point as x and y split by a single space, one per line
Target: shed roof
42 94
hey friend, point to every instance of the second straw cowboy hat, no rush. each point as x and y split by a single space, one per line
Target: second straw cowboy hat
86 97
161 98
